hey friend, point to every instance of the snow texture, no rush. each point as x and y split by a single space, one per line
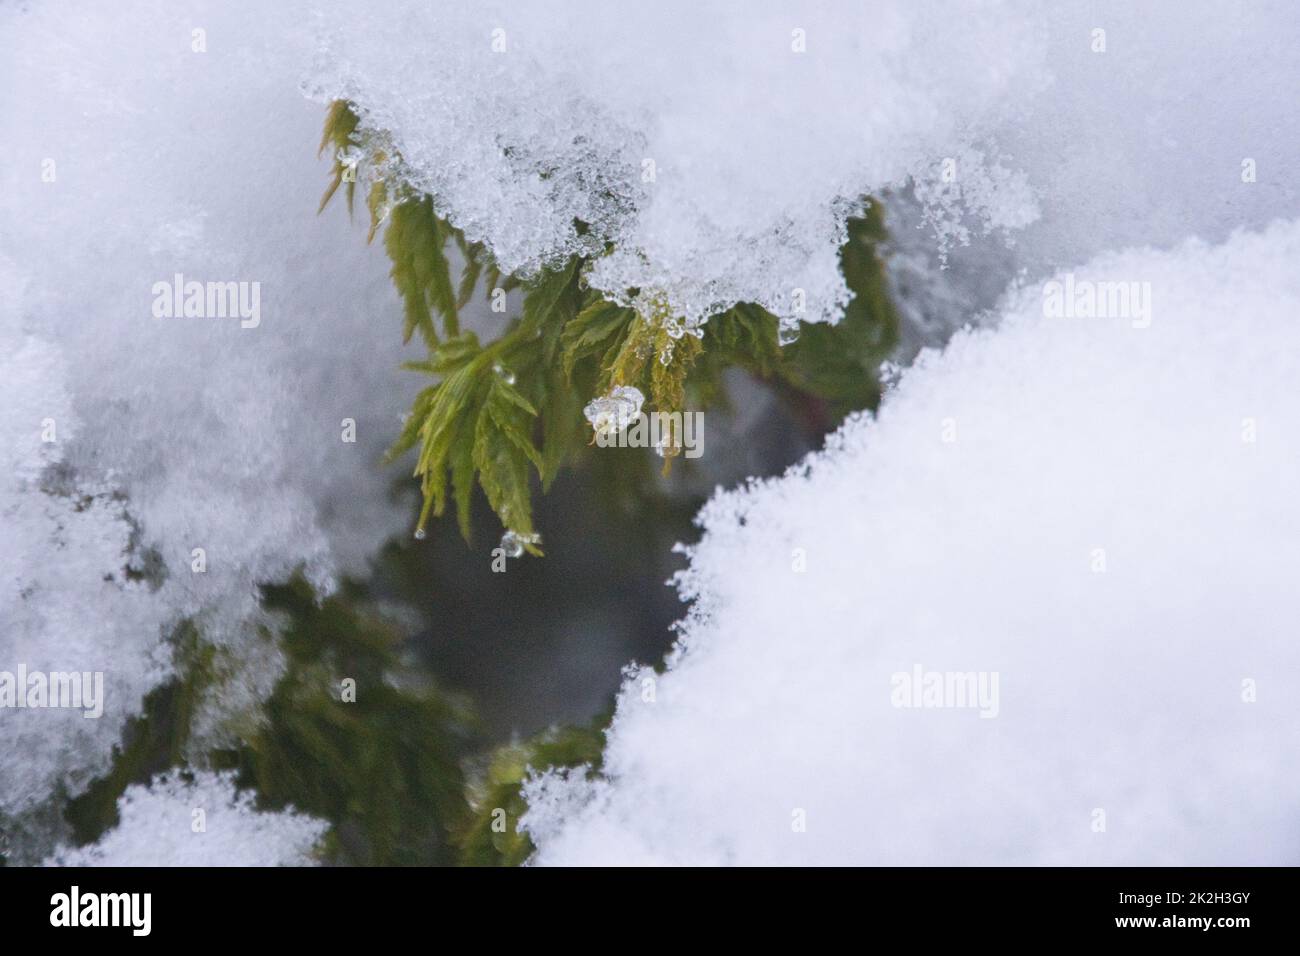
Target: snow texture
201 821
722 152
1101 511
131 157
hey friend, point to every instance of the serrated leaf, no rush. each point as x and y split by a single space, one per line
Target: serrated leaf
403 248
505 393
560 427
468 278
453 353
376 200
340 126
462 480
503 474
415 241
594 328
410 433
545 297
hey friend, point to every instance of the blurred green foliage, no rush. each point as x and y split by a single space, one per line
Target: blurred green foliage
384 768
382 765
396 771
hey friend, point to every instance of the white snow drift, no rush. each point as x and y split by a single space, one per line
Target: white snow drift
143 140
1097 519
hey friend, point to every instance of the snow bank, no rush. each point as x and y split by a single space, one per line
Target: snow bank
136 149
1092 511
202 821
65 604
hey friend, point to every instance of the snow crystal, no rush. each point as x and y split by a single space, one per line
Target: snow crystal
1093 515
200 820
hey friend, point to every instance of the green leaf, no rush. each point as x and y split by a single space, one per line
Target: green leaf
503 473
415 241
462 479
340 127
473 254
595 329
545 298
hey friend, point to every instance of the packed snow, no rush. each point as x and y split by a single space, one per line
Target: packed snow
1092 511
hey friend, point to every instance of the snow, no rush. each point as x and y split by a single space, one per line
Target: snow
1182 126
178 433
1099 513
200 821
58 611
721 153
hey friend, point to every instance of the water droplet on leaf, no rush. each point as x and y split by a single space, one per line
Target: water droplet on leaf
512 543
614 412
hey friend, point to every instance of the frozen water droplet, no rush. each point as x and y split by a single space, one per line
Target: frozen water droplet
506 375
420 534
666 356
615 411
787 334
512 543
